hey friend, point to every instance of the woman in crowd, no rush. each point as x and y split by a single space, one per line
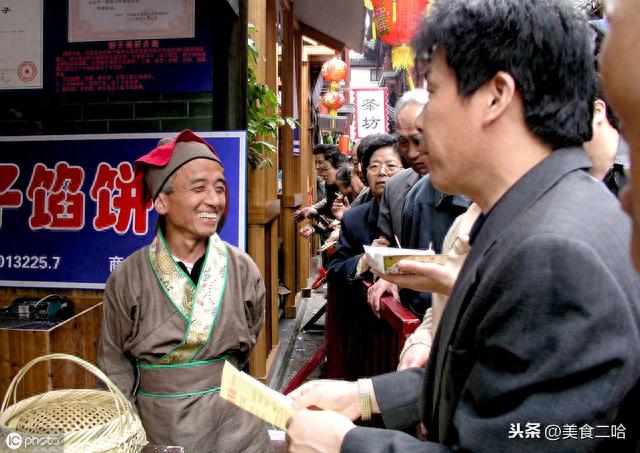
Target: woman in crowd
381 160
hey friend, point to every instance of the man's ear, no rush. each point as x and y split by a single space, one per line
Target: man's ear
160 203
599 111
501 89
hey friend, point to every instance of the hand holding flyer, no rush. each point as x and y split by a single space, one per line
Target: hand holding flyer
385 259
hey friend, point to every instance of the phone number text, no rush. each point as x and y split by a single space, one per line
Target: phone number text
29 262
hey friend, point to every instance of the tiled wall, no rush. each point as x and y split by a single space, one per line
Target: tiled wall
23 114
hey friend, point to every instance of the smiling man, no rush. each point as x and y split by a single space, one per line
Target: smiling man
174 311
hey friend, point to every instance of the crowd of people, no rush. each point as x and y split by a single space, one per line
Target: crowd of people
514 162
509 164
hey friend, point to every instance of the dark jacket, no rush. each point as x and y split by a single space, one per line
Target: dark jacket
426 217
541 327
392 202
359 227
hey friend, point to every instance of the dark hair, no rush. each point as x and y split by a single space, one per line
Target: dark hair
372 143
611 115
323 148
545 45
335 157
344 174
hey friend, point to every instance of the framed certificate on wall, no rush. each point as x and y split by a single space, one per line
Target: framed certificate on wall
21 51
105 20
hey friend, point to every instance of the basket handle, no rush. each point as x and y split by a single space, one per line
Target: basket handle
121 401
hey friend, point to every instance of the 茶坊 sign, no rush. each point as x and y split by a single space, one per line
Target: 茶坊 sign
370 111
68 211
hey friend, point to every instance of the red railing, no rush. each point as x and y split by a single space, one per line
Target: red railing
358 343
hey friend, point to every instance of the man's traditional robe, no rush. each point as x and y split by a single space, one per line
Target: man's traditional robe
143 346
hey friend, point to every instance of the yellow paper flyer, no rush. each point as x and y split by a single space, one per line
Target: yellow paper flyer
253 396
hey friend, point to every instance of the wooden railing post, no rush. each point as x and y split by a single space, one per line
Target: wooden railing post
262 196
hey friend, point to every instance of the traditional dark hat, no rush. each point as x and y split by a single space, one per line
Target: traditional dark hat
154 168
163 161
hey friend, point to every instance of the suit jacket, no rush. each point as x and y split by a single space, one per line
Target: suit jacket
359 226
541 327
426 217
392 202
428 214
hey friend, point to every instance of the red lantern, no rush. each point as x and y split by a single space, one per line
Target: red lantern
344 144
396 22
334 70
333 100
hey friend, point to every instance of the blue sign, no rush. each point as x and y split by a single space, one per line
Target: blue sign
167 65
68 211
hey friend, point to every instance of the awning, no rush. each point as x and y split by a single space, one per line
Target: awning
341 20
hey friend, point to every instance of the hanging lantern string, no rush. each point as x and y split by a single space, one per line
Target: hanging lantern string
402 57
373 27
412 85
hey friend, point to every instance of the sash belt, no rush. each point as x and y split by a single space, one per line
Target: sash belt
181 380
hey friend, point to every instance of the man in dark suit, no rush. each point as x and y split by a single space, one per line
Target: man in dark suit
407 110
538 348
427 215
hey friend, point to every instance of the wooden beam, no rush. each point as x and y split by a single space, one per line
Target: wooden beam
292 201
275 296
262 200
288 228
263 214
316 35
306 169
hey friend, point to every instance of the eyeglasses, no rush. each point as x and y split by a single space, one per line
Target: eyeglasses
377 167
404 141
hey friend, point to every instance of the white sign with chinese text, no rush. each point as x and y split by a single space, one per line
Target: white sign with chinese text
105 20
370 107
21 49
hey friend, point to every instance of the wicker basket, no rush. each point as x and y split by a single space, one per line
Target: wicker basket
86 420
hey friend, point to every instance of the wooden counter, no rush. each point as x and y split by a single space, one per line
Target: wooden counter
77 335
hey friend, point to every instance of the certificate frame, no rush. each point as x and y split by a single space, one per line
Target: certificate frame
22 52
143 20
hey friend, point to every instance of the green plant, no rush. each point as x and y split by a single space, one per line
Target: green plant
263 114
